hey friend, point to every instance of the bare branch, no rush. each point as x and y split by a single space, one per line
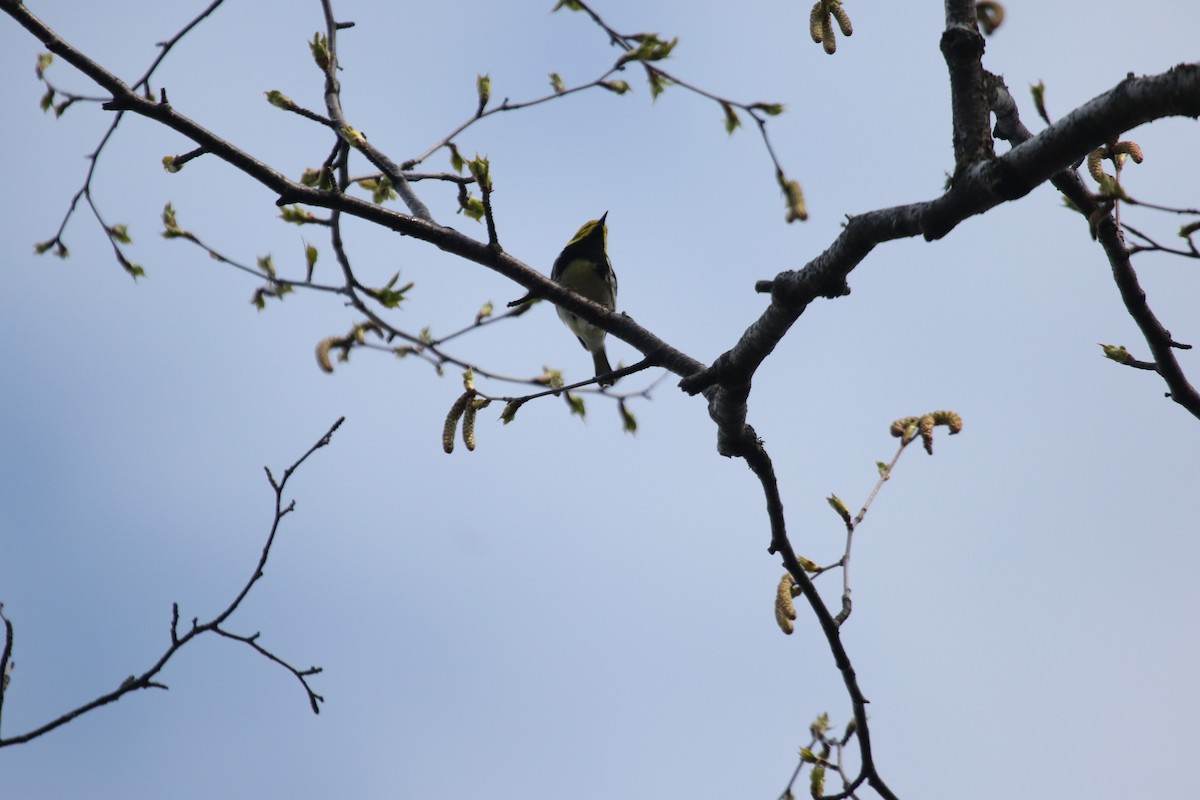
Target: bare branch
147 680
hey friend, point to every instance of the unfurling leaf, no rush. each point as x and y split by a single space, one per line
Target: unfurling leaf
1115 353
628 421
556 83
296 215
1187 230
320 50
310 257
1038 91
770 109
280 100
471 205
576 404
510 410
839 505
456 159
481 171
380 188
732 121
483 87
171 229
388 296
797 209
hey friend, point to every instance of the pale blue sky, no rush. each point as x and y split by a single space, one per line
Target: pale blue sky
571 611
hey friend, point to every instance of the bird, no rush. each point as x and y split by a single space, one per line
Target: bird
583 268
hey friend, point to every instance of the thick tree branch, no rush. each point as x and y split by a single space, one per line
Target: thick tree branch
1067 181
962 47
980 187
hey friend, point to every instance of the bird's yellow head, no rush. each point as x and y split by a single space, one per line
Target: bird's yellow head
593 235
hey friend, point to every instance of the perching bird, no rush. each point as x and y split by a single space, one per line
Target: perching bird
583 267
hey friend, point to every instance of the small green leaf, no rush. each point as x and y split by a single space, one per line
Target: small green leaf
310 256
61 108
279 100
134 270
770 109
390 297
883 469
576 404
483 87
1187 230
1115 353
481 171
510 410
550 377
1038 90
171 229
43 60
556 83
838 505
170 165
628 421
472 206
570 5
807 565
484 312
456 159
320 50
267 265
296 215
732 121
47 100
619 87
658 82
120 233
353 136
381 189
650 48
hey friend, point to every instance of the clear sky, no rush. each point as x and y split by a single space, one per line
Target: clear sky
571 610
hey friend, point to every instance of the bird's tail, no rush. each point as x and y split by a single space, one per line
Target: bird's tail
600 359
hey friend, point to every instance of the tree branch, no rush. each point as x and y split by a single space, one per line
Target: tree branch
1162 345
147 679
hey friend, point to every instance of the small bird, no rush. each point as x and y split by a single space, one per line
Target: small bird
583 267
